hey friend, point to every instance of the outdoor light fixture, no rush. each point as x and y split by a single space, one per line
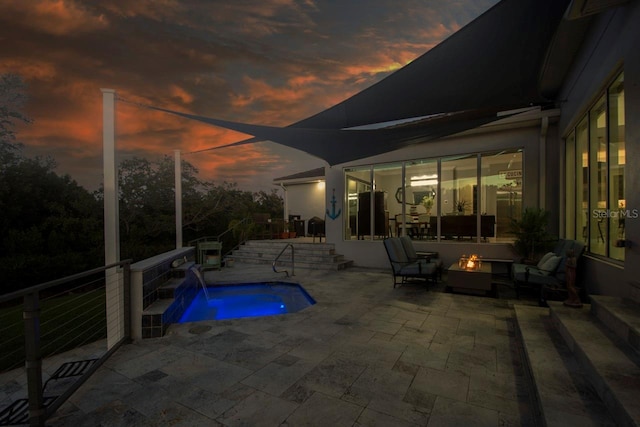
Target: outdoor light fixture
470 263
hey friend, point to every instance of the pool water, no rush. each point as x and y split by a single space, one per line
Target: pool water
247 300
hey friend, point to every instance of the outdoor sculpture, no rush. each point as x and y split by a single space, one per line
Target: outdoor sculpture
573 300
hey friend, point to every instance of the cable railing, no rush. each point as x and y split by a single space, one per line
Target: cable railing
52 325
232 238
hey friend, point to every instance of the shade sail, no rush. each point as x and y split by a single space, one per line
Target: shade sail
338 145
493 64
494 60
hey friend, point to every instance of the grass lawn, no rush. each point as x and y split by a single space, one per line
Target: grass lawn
66 322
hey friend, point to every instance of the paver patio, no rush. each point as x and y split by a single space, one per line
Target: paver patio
365 355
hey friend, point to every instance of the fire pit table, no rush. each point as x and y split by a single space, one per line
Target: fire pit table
471 281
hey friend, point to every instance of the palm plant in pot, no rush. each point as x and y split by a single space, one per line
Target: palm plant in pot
532 237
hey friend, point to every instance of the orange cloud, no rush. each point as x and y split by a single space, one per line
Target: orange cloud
180 93
30 68
56 17
154 9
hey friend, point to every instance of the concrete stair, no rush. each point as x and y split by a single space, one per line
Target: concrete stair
584 361
312 256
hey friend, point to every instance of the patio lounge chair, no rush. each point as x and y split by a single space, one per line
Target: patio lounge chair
405 269
413 255
549 275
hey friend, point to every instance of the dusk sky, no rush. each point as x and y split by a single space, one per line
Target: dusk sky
270 62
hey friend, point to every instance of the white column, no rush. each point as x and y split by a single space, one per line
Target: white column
286 203
114 294
178 194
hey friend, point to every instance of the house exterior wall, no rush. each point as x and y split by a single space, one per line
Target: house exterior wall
610 47
367 253
306 200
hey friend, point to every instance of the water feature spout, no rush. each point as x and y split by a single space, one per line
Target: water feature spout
200 280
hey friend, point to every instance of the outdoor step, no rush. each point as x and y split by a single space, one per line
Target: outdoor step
621 315
562 394
336 265
278 245
609 363
270 256
159 306
273 252
168 289
313 256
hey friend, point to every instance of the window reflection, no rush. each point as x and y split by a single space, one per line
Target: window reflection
595 158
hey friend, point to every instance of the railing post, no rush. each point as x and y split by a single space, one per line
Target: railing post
33 359
293 261
126 284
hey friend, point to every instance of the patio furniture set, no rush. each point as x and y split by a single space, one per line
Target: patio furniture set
547 278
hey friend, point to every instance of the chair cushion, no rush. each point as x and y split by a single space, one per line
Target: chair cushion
548 268
535 276
409 250
557 249
395 250
518 270
417 269
544 259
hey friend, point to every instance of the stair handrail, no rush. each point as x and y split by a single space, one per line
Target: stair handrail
293 265
243 239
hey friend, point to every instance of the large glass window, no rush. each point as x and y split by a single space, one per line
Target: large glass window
617 202
570 187
445 199
582 180
369 191
598 177
459 197
421 208
358 181
500 193
597 213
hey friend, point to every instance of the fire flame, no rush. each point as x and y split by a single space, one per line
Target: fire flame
472 262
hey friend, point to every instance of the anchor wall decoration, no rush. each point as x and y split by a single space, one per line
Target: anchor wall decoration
333 214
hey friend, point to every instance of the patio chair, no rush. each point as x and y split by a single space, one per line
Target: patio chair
403 268
427 257
406 222
424 225
549 275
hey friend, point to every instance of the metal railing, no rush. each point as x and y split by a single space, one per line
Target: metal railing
293 264
77 311
233 237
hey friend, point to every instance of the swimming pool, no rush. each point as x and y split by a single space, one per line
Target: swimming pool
246 300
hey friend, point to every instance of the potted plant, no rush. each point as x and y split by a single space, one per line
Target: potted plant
461 206
427 202
289 231
532 237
